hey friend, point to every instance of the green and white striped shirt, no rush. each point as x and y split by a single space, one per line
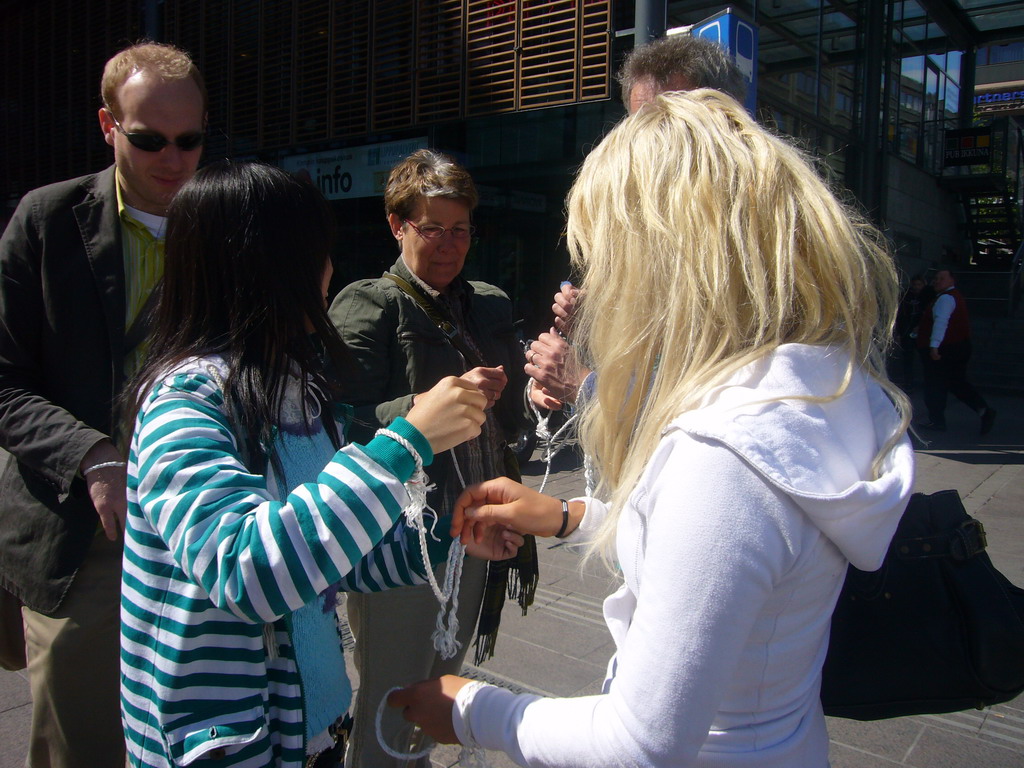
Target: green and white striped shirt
212 558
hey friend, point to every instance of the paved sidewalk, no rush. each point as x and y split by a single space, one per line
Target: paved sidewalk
562 646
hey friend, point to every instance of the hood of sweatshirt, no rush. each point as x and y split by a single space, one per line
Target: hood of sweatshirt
819 452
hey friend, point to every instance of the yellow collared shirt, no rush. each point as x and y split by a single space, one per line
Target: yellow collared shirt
143 268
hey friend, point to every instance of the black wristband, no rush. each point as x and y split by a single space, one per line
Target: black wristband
565 519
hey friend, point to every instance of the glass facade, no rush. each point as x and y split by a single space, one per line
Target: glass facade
517 89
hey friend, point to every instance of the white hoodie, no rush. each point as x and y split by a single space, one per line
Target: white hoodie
733 547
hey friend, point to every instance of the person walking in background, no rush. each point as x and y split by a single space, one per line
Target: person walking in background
908 317
671 63
392 327
748 442
944 341
247 510
78 264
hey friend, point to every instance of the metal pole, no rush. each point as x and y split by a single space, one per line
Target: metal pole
965 108
873 106
649 21
152 19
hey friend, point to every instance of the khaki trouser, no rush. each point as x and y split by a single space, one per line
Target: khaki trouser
393 648
73 668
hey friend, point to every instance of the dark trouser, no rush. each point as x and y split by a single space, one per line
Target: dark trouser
948 374
908 354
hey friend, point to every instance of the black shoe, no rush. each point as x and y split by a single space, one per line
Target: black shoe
988 418
931 426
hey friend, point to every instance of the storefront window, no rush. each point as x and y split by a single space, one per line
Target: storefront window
925 88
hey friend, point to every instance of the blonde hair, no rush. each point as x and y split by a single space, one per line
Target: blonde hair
705 242
166 61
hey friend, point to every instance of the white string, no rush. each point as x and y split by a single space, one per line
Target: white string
444 636
469 756
589 476
551 445
445 632
380 734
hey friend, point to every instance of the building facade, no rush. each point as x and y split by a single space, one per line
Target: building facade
518 90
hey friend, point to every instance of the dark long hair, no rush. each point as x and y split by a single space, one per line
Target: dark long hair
247 245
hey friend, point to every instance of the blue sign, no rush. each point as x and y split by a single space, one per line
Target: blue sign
739 37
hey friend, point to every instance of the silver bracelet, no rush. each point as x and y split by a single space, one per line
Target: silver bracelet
103 465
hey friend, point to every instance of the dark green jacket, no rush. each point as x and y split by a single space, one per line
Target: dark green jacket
396 352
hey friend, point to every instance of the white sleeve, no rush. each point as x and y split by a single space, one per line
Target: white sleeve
713 552
942 310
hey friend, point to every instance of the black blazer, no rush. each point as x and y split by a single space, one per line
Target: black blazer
62 327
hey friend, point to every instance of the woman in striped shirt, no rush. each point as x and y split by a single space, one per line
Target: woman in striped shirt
246 509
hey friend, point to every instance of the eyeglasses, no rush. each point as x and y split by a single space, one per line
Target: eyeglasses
435 232
154 142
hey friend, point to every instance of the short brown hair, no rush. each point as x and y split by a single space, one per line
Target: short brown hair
698 60
165 60
426 173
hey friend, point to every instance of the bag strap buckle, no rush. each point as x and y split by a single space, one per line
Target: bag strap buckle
960 543
967 540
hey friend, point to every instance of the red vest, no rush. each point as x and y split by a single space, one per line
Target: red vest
959 328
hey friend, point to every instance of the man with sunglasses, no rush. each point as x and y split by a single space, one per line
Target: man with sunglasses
79 263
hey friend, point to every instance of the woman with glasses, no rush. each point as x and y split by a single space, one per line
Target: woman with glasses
748 443
420 322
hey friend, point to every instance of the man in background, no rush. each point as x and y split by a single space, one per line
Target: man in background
944 340
671 63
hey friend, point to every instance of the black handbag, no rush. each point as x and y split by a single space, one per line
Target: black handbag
936 629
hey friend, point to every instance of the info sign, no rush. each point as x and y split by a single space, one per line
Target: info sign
362 171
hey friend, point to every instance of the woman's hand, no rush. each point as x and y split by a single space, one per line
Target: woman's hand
499 543
490 381
429 705
504 502
450 413
542 398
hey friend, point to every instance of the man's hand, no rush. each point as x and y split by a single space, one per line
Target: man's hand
552 363
429 705
934 352
565 306
107 486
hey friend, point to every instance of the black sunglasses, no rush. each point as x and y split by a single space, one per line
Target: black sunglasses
154 142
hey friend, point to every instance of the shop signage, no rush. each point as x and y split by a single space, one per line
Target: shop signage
342 174
967 146
1001 98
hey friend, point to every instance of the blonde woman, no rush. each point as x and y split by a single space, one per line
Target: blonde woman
748 442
